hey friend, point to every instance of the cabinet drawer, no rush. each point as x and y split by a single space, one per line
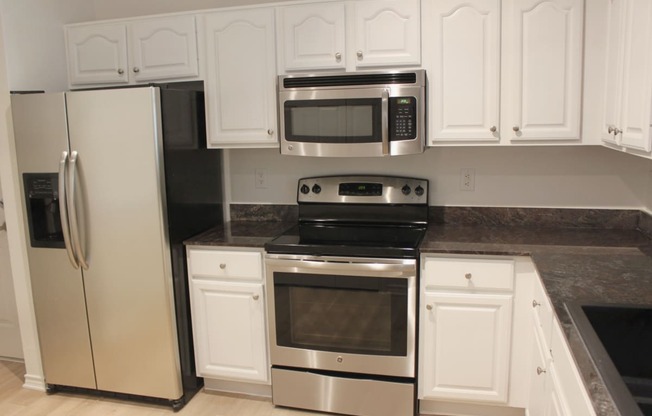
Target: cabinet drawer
469 273
237 265
542 309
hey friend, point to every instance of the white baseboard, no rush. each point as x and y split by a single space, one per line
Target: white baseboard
249 389
34 383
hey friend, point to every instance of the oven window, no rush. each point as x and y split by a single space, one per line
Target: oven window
333 121
348 314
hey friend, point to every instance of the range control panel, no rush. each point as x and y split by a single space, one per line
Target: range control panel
363 190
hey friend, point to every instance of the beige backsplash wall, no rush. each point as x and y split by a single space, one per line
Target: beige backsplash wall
572 177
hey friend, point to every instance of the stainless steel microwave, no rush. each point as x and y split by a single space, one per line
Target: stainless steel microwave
358 115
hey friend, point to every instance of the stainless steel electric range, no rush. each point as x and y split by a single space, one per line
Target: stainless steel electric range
342 293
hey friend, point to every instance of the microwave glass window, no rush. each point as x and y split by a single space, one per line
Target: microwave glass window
333 121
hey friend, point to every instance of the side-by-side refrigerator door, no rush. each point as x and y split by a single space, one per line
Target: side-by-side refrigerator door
115 137
41 135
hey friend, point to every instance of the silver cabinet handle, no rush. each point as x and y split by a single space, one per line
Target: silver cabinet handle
136 69
429 307
516 128
74 224
270 132
3 227
256 297
493 129
540 371
359 54
222 266
384 105
121 71
468 276
338 56
535 303
63 209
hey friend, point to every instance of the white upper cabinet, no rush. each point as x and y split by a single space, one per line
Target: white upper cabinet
163 48
628 98
312 36
464 71
503 71
138 51
97 54
349 35
544 47
241 78
386 32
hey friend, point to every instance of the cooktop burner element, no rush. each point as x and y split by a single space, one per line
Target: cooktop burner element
365 216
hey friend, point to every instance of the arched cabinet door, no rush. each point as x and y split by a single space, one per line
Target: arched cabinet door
97 54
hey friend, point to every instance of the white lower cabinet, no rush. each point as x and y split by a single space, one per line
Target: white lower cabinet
228 314
465 329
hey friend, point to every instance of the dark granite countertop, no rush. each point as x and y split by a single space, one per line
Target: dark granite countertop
575 264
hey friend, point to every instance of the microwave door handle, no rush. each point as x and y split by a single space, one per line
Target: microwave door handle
63 209
384 103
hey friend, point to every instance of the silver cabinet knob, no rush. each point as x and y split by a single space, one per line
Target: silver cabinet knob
270 132
540 371
617 131
516 128
468 276
222 266
338 56
611 129
136 69
493 129
535 303
121 71
256 297
359 54
429 307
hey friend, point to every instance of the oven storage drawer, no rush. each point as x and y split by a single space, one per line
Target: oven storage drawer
469 273
236 265
353 396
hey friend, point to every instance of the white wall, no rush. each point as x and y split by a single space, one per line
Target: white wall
34 43
574 177
113 9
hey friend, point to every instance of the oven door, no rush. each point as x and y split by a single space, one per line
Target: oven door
353 315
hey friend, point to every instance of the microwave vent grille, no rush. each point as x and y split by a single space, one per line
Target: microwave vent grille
350 80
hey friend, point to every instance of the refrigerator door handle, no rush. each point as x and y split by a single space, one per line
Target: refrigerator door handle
63 209
74 224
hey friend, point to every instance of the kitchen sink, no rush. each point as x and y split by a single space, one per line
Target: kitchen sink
619 339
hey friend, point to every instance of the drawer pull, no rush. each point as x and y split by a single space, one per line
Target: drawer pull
256 297
535 303
540 371
429 307
222 266
468 276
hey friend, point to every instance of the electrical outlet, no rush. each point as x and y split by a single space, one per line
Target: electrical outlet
260 178
467 179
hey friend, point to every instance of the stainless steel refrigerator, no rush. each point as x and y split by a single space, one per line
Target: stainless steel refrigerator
114 180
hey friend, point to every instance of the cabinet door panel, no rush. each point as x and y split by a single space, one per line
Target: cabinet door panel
312 36
241 106
464 38
387 33
163 48
229 327
466 346
97 54
637 79
547 80
614 65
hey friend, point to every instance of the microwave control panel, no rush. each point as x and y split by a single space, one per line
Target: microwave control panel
402 118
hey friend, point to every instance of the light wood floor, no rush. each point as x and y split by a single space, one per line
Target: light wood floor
17 401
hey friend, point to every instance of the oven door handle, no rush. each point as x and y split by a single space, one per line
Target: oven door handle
370 268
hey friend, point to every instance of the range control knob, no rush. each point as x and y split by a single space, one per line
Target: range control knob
316 188
419 190
304 189
406 190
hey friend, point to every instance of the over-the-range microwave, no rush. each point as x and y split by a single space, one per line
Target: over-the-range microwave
353 114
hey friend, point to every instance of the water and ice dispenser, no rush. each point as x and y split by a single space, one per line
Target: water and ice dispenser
43 215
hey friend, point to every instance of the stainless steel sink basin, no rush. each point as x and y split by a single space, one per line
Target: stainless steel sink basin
619 339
